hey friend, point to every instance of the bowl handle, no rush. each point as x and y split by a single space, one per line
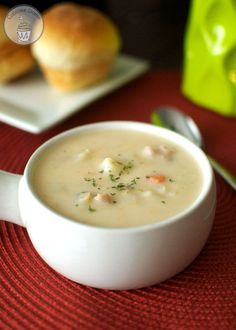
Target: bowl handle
9 205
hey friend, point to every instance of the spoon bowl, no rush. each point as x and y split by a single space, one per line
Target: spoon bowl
177 121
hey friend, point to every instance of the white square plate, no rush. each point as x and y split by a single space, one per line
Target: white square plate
32 105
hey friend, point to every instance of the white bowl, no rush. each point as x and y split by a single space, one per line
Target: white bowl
112 258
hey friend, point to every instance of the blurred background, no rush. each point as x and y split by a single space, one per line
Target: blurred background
151 29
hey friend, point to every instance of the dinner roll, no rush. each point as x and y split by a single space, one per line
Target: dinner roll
77 47
15 60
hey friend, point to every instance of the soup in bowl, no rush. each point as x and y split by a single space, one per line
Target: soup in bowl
117 205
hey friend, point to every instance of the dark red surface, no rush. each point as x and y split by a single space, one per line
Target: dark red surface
33 296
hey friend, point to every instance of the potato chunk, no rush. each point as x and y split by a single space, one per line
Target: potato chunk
111 165
84 197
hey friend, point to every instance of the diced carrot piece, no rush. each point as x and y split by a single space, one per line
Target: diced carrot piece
157 178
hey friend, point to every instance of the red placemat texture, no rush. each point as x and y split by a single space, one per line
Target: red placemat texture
33 296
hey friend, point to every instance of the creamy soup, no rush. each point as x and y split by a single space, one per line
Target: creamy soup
117 178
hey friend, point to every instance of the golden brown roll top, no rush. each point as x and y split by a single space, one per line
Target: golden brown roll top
77 47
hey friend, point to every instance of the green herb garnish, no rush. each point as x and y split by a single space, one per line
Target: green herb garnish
91 209
113 178
132 182
127 167
123 186
94 182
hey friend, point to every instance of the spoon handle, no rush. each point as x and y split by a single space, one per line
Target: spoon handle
230 178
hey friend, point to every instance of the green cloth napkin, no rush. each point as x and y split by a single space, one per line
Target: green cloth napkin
209 72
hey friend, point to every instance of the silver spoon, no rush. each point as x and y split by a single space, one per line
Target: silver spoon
179 122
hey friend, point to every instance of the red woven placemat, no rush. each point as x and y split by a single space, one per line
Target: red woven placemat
33 296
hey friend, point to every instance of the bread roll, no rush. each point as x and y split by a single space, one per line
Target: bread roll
15 60
77 47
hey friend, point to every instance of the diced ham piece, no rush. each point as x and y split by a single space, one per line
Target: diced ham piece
165 152
150 152
103 197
